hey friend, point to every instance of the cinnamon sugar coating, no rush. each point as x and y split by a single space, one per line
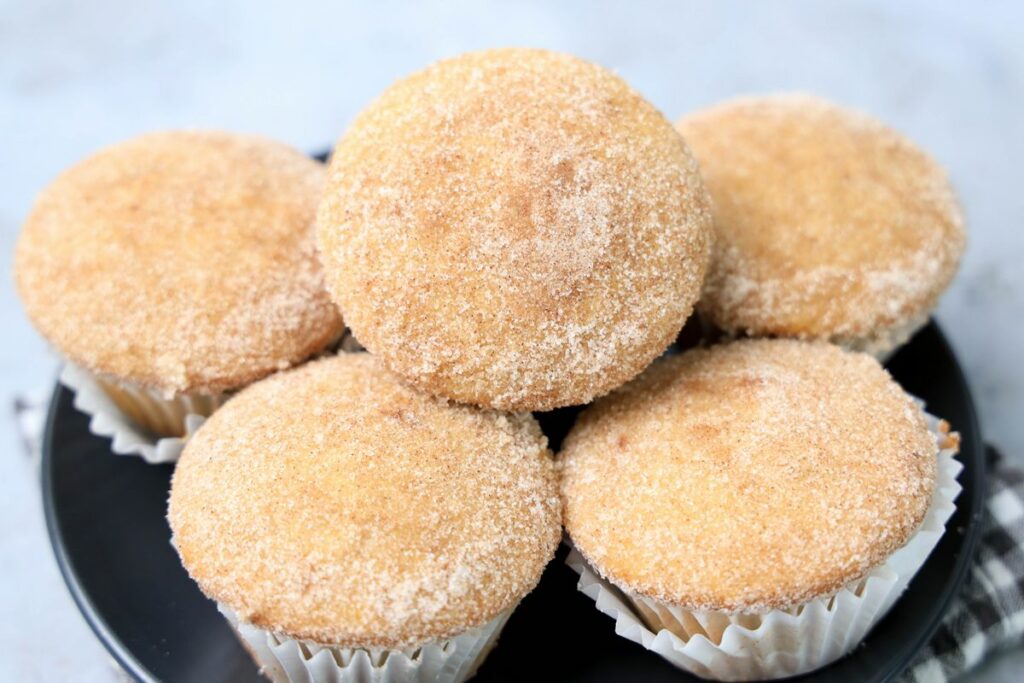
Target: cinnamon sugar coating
335 504
750 476
180 261
514 228
829 225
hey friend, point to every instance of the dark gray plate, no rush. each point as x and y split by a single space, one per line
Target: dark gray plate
105 515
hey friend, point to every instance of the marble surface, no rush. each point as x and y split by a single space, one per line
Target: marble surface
75 76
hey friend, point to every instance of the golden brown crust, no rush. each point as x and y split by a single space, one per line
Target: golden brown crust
751 476
514 228
335 504
829 224
180 261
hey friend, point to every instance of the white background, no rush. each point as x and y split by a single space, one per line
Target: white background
75 76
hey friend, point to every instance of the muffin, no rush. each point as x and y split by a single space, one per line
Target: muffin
829 225
514 228
756 506
178 267
354 528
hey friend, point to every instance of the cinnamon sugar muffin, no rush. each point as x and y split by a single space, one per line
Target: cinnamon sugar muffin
829 225
754 483
178 266
332 507
514 228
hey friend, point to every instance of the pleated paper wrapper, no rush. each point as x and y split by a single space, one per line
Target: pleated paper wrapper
780 643
284 660
122 420
883 345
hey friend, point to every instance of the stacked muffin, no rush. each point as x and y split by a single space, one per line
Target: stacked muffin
512 231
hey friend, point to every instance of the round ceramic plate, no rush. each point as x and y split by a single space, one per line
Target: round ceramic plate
105 515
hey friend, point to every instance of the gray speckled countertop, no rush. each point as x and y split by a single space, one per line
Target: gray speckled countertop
76 76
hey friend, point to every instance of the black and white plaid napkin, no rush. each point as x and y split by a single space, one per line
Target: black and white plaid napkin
988 616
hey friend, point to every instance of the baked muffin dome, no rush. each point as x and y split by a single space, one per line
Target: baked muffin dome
747 477
335 504
829 225
514 228
180 261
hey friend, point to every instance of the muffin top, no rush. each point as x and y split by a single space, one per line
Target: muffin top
514 228
752 476
333 503
828 224
180 261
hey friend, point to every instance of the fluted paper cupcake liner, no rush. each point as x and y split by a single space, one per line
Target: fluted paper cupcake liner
780 643
120 413
284 660
883 345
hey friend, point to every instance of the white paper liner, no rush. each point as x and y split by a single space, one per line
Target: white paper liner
883 344
107 420
781 643
284 660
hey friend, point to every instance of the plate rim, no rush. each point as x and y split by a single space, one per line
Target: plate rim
115 648
132 666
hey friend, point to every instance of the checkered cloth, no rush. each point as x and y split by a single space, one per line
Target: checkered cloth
987 617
